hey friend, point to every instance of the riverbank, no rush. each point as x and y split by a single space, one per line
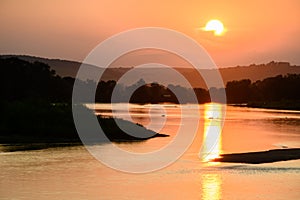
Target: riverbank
26 122
35 146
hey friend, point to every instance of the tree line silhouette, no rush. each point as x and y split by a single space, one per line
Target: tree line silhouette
35 102
22 80
274 92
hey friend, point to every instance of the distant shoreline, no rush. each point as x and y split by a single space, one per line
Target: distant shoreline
271 105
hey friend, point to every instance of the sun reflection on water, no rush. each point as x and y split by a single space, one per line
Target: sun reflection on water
212 138
211 187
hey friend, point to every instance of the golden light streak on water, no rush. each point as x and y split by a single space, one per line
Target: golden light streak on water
211 187
212 138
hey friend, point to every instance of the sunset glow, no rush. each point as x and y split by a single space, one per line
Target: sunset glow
60 30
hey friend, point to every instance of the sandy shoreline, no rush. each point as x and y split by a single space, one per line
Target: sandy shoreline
260 157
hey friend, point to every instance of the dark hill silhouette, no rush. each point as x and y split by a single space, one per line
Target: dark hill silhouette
253 72
62 67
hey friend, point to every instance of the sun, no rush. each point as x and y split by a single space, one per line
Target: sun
216 26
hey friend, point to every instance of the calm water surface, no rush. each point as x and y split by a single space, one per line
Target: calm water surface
72 173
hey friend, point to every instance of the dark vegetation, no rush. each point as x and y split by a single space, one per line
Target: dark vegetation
35 106
275 92
35 102
30 81
22 80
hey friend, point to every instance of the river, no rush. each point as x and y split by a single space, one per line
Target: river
73 173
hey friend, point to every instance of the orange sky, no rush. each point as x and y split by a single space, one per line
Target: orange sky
257 31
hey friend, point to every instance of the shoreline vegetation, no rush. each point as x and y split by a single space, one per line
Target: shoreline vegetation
274 155
36 106
25 80
41 122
